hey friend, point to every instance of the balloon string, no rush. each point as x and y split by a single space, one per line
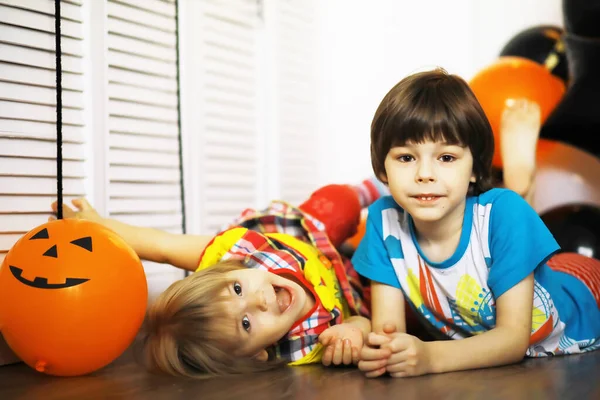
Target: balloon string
59 174
177 68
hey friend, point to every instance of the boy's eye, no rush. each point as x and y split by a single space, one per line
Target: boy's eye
237 288
246 324
447 158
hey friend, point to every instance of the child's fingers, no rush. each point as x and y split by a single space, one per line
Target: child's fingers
370 354
376 373
375 339
389 328
338 353
355 355
327 356
347 352
82 204
372 369
325 338
51 218
67 211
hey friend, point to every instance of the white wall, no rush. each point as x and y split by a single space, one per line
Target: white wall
368 46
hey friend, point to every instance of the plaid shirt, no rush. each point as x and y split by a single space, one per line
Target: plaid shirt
258 250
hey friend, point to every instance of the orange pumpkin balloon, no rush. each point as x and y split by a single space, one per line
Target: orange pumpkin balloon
73 296
511 78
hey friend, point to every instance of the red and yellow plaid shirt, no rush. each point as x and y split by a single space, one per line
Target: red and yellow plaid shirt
257 249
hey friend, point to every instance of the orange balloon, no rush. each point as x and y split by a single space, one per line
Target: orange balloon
73 296
360 232
511 78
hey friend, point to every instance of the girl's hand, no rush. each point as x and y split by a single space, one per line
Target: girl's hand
83 210
342 344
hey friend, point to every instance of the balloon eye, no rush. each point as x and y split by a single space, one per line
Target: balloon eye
84 243
43 234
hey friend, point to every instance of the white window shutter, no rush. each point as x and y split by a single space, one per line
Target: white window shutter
28 179
221 96
144 186
294 45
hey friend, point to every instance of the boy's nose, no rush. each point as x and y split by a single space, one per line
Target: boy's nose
425 172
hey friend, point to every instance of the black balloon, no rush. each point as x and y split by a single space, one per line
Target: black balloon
576 119
576 228
542 44
581 17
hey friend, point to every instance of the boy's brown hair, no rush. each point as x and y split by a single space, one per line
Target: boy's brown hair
185 335
434 105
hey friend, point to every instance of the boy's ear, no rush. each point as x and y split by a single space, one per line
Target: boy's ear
383 177
262 355
473 179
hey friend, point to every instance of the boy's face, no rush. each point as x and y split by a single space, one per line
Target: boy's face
430 180
262 308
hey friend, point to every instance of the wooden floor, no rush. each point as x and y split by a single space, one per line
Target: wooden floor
571 377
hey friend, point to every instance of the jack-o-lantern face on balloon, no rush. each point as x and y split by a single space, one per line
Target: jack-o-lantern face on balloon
72 297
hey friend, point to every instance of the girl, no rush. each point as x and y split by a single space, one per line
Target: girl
269 290
475 262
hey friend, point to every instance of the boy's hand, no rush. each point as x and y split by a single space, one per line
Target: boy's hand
342 344
83 210
374 358
409 355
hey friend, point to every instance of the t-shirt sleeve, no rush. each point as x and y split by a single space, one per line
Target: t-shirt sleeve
371 258
519 242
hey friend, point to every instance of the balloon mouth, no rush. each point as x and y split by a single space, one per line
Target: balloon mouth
42 283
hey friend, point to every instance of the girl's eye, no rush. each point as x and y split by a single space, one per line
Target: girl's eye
405 158
447 158
246 324
237 288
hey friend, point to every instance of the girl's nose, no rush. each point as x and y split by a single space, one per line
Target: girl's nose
260 301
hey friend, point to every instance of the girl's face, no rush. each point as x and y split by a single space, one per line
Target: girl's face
262 308
430 180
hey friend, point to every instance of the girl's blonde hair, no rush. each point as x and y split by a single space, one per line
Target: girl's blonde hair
184 332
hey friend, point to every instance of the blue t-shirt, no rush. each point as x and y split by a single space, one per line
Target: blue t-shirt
503 240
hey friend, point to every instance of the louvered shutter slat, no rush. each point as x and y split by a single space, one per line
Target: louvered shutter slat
40 77
38 21
33 186
128 125
143 156
140 32
39 95
296 99
38 58
229 154
17 166
151 158
38 130
28 113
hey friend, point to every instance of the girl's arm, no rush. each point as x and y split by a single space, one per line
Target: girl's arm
181 251
387 308
505 344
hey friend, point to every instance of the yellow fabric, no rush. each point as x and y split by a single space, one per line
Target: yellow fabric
219 246
314 356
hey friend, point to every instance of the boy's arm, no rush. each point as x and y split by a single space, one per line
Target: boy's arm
505 344
387 308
